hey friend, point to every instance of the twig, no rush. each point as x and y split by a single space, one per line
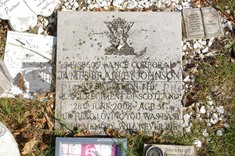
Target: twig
227 15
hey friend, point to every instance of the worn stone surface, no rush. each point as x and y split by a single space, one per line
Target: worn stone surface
22 14
28 58
8 145
177 150
119 70
202 23
5 78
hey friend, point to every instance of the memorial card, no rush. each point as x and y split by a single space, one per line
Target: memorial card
119 70
202 23
29 59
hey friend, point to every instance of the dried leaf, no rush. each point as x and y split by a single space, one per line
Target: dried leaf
116 133
155 136
29 146
21 82
43 146
108 131
49 122
197 3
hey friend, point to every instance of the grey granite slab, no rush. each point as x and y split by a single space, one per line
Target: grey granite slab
119 70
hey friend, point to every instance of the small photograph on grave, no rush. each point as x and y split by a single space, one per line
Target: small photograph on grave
91 146
29 59
168 150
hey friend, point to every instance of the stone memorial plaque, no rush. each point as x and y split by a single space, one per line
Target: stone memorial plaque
28 58
22 14
91 146
5 78
202 23
171 150
119 70
212 22
193 23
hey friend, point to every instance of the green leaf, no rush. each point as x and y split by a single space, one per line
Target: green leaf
228 46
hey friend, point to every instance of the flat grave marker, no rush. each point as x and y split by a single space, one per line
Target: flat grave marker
202 23
119 70
29 59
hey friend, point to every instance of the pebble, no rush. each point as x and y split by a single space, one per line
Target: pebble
226 125
210 102
214 119
40 30
205 133
188 129
205 50
203 110
220 109
198 143
219 133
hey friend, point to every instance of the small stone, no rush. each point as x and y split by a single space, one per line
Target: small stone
219 133
226 125
203 110
214 119
208 124
210 102
186 117
205 133
198 143
40 30
76 5
205 50
220 109
188 129
45 22
229 25
196 45
203 42
210 42
186 79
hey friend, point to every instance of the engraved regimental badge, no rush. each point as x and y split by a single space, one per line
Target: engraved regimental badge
118 34
2 131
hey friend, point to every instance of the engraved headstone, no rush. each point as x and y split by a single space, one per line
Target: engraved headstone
91 146
119 70
29 59
202 23
8 145
22 14
5 78
162 150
